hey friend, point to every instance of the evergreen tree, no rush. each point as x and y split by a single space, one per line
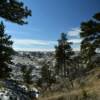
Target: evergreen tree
27 75
63 55
47 75
14 11
5 53
90 34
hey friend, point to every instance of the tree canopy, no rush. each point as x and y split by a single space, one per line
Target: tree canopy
5 53
63 55
90 34
27 74
14 11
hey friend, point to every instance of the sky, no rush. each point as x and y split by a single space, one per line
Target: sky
49 19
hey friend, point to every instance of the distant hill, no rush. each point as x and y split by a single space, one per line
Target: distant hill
32 59
35 60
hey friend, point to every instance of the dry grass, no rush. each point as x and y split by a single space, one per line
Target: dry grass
92 88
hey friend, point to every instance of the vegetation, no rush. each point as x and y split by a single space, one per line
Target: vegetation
6 51
80 72
14 11
27 75
63 55
90 91
90 34
47 76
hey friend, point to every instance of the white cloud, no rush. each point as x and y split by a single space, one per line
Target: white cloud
33 49
75 40
76 49
33 45
27 42
74 32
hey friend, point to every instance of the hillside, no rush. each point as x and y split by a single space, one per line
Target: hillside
88 85
31 59
90 90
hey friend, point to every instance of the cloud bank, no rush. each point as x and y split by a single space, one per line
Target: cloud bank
27 42
74 32
45 45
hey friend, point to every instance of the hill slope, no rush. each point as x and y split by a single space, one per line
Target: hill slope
90 91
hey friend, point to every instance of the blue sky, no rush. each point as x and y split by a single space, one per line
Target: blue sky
49 19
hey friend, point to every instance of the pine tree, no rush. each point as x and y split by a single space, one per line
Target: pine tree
90 34
27 75
5 53
14 11
63 55
47 75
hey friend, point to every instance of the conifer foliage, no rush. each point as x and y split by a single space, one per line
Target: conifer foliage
47 75
90 34
27 74
14 11
63 55
5 52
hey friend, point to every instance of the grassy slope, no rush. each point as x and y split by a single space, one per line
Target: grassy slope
92 86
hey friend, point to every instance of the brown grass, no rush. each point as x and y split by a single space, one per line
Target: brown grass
92 87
